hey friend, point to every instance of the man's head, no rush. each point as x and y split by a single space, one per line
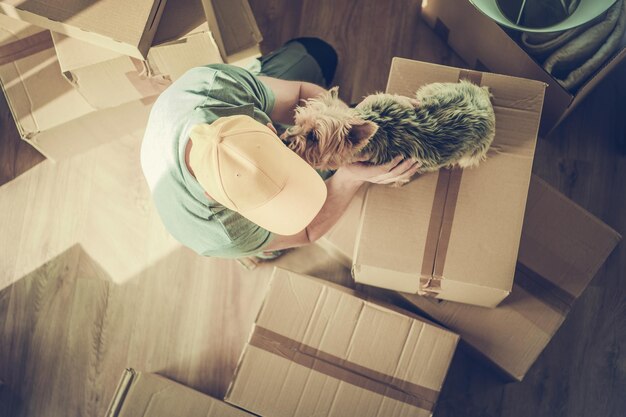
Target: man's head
244 166
328 133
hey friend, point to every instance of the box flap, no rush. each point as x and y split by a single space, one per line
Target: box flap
125 27
233 25
106 79
180 19
311 338
149 395
38 95
562 242
177 57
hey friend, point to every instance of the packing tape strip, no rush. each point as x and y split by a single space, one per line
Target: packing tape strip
446 223
434 227
343 370
475 77
441 217
25 47
543 289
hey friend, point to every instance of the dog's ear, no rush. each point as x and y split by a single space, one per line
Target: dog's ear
361 131
334 92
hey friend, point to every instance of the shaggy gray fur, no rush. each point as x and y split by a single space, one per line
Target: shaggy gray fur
454 123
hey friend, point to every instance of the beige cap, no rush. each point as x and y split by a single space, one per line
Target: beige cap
244 166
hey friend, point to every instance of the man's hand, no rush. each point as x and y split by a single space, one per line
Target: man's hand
396 171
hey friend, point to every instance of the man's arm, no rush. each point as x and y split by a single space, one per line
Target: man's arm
341 188
288 95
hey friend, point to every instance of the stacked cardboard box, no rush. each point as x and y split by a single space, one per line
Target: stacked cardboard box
79 92
432 236
561 249
484 45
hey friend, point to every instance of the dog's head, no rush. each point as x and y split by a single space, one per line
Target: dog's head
327 132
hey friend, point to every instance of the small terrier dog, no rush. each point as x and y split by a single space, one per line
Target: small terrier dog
446 124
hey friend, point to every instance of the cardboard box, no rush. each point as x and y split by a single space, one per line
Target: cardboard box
49 113
561 249
484 45
317 349
433 235
150 395
107 79
234 28
340 240
125 27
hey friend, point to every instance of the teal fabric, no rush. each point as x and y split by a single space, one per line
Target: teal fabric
201 96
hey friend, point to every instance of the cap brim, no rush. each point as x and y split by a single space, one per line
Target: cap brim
297 204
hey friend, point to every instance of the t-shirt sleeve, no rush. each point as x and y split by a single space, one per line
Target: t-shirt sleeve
246 237
235 87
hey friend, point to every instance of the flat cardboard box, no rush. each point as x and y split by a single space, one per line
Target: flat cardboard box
49 113
486 46
141 394
317 349
561 249
433 235
107 79
122 26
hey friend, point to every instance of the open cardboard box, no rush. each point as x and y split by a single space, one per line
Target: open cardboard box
433 235
486 46
49 113
561 250
317 348
141 394
107 79
119 25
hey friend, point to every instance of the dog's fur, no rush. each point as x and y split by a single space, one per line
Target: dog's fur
452 124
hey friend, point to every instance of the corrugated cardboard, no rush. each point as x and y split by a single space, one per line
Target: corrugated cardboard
433 235
561 249
123 26
234 28
317 349
19 39
141 394
107 79
339 241
49 113
486 46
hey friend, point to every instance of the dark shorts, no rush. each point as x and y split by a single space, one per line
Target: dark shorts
292 62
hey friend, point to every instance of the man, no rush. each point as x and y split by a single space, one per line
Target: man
221 179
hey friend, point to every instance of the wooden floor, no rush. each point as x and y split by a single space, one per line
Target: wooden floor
90 282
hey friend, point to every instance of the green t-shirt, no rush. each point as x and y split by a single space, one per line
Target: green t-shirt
201 96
